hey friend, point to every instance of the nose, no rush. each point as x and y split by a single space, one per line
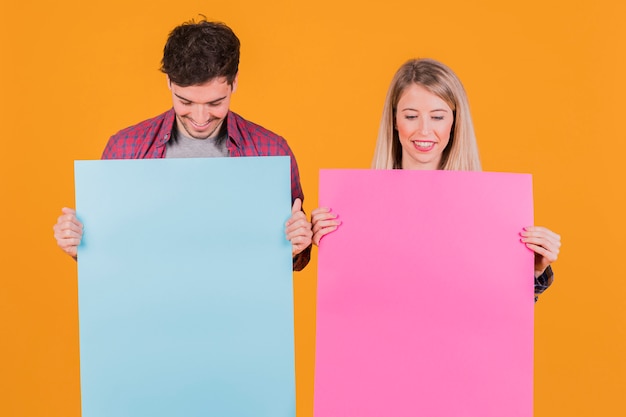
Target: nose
424 126
200 113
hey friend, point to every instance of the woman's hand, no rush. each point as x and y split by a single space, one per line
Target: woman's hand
324 222
545 243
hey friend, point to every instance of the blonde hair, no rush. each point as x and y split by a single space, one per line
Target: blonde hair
461 154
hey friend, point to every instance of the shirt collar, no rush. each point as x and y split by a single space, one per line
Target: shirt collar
233 129
167 128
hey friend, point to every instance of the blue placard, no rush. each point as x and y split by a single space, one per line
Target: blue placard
185 287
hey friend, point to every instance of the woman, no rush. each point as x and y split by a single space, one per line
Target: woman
426 124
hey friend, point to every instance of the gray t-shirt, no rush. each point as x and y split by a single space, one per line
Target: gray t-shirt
182 146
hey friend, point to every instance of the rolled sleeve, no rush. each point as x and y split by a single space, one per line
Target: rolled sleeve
543 281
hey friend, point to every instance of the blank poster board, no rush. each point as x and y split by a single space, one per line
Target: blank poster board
185 287
425 295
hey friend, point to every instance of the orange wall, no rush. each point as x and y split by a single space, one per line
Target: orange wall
546 85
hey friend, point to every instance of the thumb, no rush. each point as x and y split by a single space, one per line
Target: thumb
297 206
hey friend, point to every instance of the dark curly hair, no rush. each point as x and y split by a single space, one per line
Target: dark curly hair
197 52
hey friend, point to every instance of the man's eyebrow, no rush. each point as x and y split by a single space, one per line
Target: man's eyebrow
210 102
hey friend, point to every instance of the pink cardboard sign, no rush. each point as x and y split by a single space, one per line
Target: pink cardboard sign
425 295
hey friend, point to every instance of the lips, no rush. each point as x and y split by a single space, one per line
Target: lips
423 146
199 125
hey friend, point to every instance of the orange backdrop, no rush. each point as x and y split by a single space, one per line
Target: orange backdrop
546 86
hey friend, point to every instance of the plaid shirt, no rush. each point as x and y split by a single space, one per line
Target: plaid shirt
543 281
148 140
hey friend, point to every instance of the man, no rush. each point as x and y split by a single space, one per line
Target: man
201 61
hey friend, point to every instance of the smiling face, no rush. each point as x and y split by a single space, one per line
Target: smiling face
201 109
424 122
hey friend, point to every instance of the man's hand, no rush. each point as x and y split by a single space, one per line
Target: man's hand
68 231
298 229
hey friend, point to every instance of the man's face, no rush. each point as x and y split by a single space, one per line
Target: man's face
201 109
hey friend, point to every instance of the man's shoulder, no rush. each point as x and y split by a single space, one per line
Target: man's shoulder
153 124
143 140
255 130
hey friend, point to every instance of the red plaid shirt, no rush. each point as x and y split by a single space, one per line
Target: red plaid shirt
147 140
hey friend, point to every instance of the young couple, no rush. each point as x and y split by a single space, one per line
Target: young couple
426 124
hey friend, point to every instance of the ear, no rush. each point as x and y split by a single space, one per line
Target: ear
234 84
169 82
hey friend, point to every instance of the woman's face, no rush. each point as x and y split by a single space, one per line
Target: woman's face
424 122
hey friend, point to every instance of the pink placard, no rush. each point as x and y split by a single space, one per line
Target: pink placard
425 295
